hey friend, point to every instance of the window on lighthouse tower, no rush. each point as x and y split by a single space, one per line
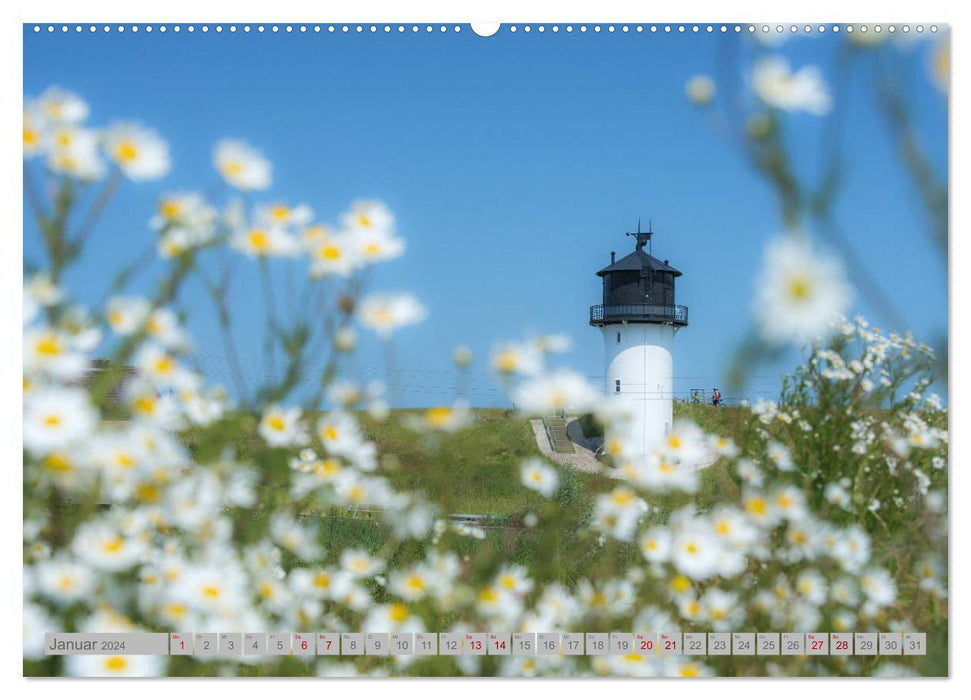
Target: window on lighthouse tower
616 386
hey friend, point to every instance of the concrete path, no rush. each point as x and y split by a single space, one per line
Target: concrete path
585 458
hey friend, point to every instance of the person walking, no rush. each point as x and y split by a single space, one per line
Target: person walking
716 397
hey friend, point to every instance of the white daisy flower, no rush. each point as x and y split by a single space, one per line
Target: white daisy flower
879 587
52 352
281 427
799 291
411 584
258 242
242 166
554 392
75 152
284 215
187 209
777 86
127 315
444 418
359 563
377 246
515 578
60 106
290 534
37 622
656 545
368 216
395 617
138 152
780 456
384 313
64 580
334 254
517 358
700 89
163 326
43 290
340 434
104 547
158 365
56 419
694 552
539 476
115 666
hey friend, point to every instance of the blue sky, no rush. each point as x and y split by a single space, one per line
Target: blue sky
514 165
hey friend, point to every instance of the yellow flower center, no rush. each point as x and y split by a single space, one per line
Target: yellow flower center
329 432
211 591
489 595
416 582
438 417
231 168
622 497
680 583
113 545
58 463
364 221
126 151
757 506
116 663
398 612
280 212
30 136
277 423
258 240
322 579
164 364
507 361
329 252
169 209
799 287
147 492
52 421
48 345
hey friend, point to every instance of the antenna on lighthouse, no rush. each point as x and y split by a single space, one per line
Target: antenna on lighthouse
643 237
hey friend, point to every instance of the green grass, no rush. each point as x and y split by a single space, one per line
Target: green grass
473 471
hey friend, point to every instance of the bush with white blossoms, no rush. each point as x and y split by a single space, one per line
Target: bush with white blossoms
157 500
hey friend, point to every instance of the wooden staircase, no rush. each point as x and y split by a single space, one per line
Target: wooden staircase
556 432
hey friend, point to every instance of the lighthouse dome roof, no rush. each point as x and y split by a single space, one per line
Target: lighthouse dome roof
639 260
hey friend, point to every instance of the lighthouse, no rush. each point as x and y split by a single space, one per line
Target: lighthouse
638 319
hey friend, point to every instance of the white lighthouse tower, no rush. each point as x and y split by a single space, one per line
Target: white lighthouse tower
639 319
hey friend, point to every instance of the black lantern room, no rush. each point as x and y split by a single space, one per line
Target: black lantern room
638 288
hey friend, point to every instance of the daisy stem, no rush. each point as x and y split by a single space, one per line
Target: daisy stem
269 304
95 212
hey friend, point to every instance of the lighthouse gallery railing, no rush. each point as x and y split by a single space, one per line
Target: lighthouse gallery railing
639 312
